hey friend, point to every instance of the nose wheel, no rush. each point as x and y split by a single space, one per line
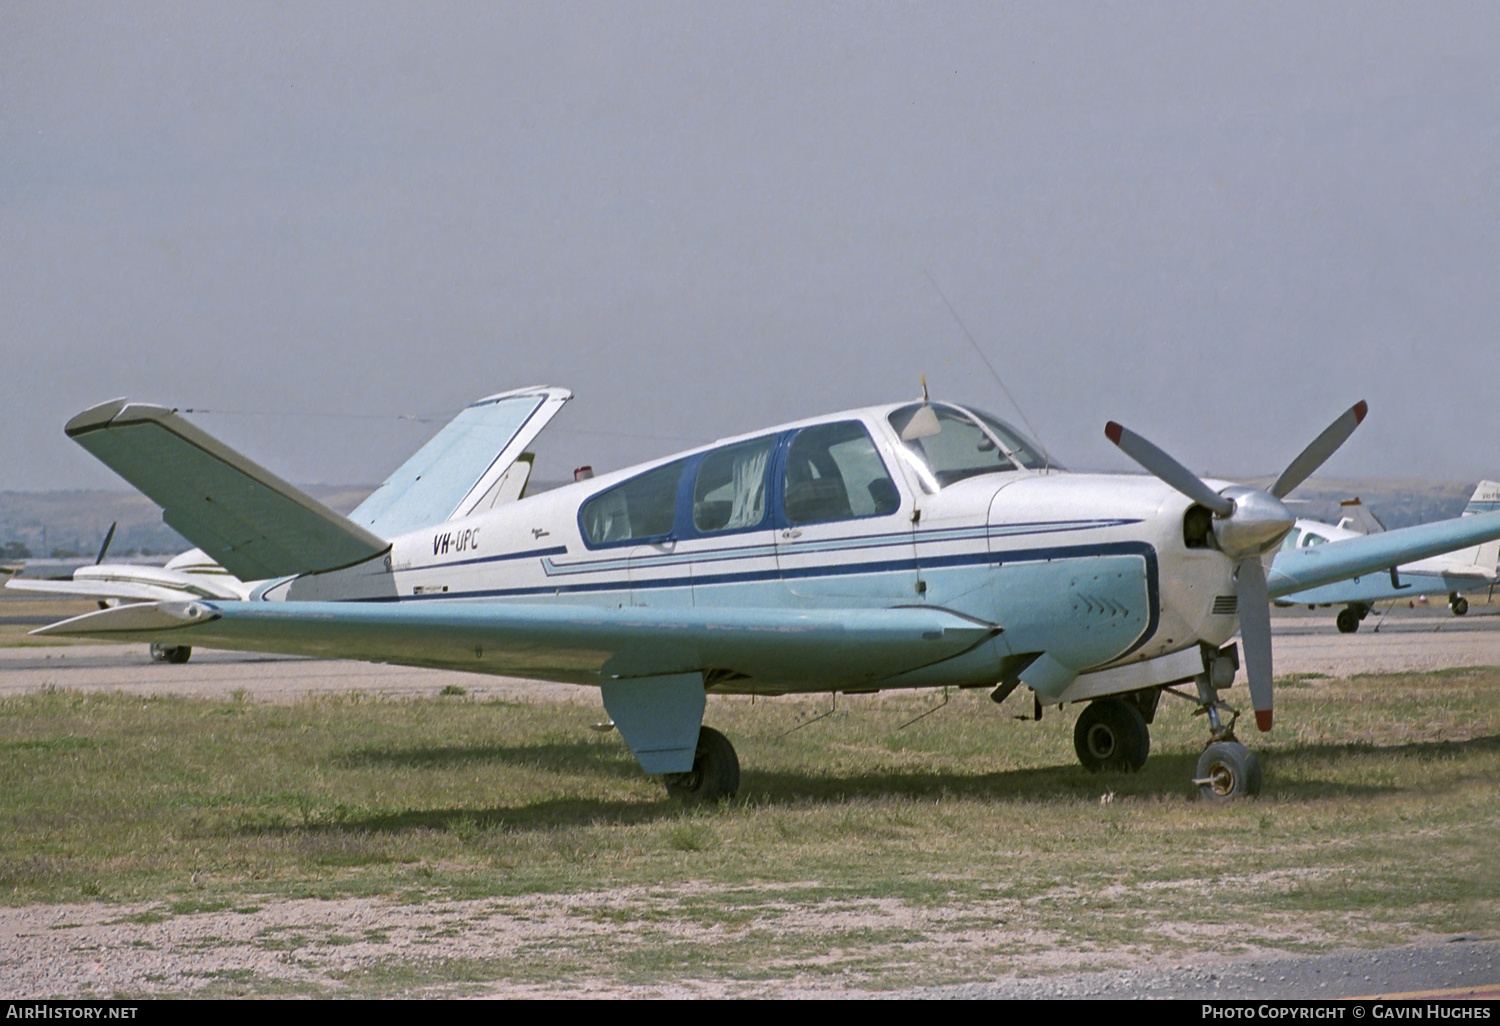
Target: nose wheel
1227 770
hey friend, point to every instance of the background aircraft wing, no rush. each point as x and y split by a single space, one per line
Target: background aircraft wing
581 644
252 522
1316 565
131 591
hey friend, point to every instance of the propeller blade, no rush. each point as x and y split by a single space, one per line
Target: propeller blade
108 537
1322 447
1166 468
1255 634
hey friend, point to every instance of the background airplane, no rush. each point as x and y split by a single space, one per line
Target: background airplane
917 544
1450 573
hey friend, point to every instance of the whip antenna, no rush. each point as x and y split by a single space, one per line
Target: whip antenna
993 373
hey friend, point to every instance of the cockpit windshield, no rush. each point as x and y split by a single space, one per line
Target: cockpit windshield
950 443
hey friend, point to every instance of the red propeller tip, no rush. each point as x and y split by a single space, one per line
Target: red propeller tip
1112 432
1360 409
1263 719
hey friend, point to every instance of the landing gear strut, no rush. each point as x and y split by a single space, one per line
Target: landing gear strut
1226 769
715 774
170 653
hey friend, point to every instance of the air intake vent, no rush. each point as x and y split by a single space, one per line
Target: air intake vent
1226 605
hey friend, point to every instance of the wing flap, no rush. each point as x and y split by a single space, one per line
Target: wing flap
581 644
1317 565
250 521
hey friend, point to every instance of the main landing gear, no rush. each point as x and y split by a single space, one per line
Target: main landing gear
1113 734
1351 616
170 653
1458 604
715 774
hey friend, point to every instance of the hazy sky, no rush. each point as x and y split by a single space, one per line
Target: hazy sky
1220 224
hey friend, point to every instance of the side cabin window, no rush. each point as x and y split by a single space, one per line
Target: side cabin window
1309 539
643 507
729 493
833 472
1290 541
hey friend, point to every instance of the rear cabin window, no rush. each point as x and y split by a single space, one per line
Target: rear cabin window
643 507
730 491
833 472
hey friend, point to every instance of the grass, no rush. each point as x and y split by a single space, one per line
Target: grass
967 844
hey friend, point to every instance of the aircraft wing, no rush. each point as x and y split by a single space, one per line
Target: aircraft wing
1305 568
253 523
581 644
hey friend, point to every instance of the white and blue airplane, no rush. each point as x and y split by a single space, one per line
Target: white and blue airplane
916 544
1450 573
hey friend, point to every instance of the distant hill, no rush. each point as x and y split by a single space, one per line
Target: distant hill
75 521
1398 503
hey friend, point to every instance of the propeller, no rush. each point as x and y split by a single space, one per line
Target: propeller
1247 523
107 539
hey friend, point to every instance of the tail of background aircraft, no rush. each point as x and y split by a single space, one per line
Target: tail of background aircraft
1486 499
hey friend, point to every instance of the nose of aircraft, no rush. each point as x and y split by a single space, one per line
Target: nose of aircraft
1259 521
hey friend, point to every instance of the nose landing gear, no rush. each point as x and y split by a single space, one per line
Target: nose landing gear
1226 769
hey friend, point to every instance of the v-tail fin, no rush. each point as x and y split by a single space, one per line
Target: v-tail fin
253 523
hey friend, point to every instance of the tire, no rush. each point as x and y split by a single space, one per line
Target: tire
1228 770
715 775
1111 735
1460 606
1347 621
177 654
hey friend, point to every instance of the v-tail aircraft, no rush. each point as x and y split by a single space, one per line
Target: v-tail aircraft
1449 573
913 544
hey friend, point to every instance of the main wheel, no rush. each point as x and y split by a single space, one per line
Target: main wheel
1227 770
1111 734
170 653
1459 605
715 774
1347 621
